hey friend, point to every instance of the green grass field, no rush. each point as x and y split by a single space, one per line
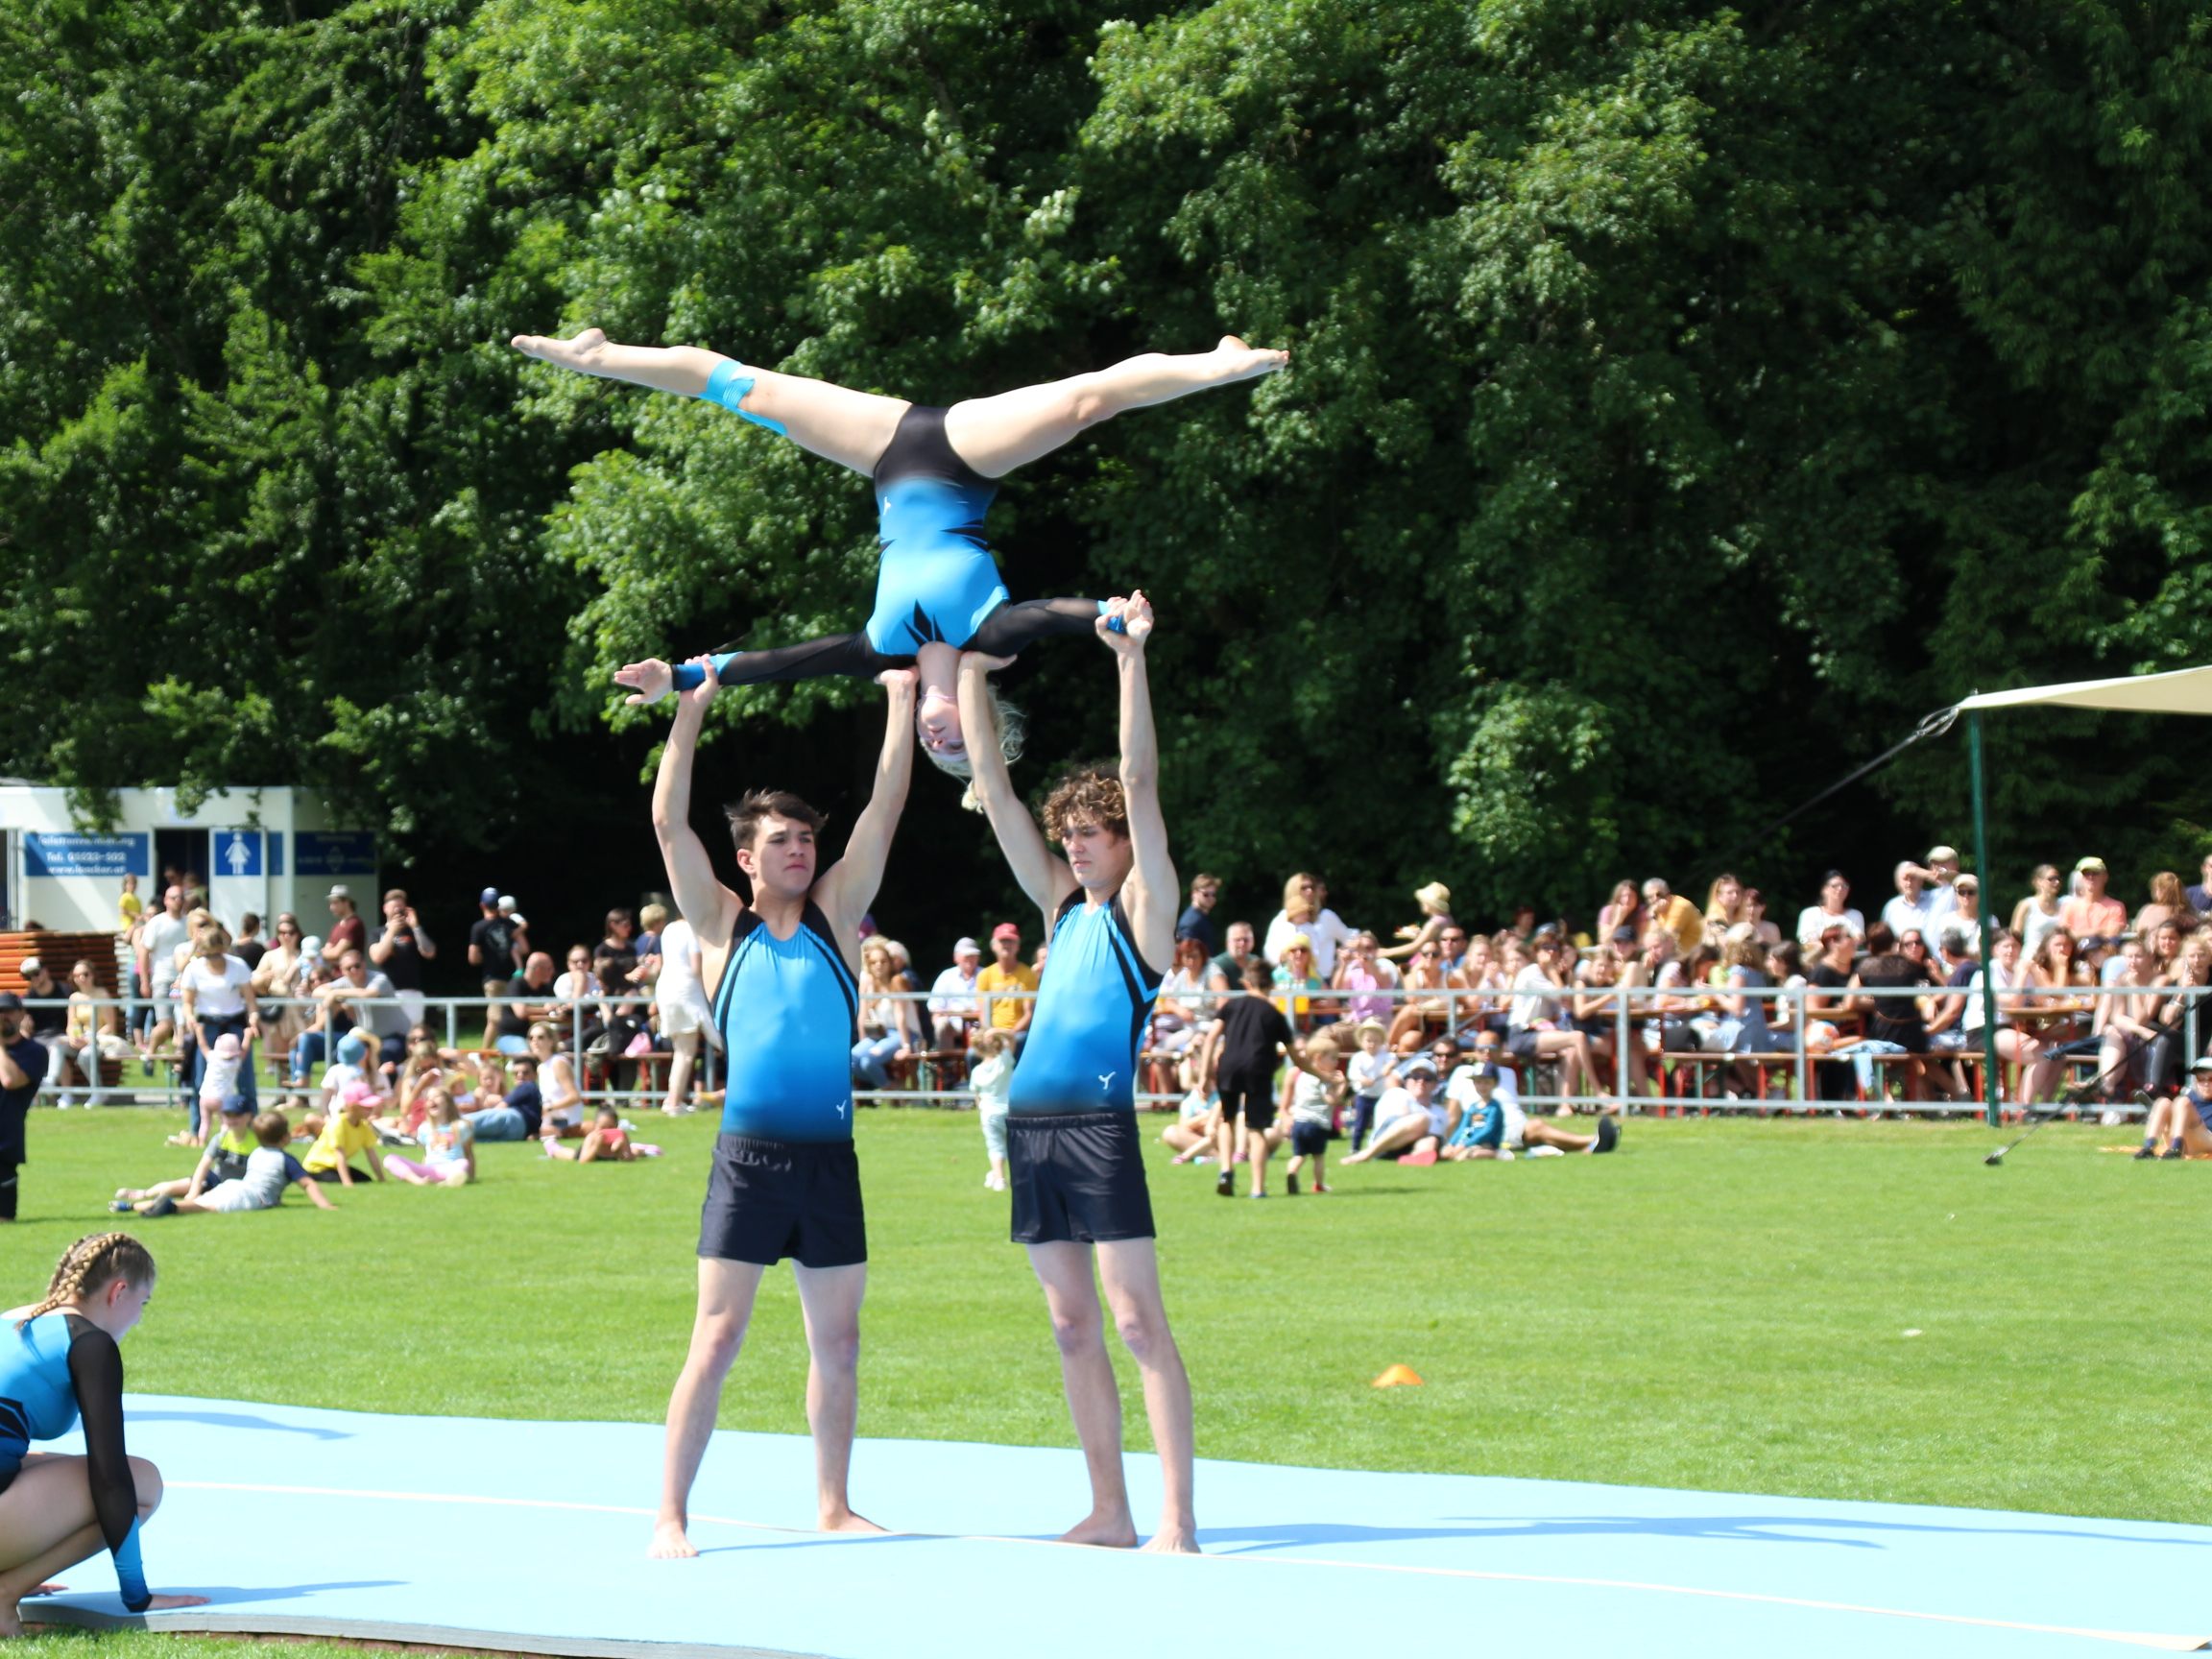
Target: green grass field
1723 1306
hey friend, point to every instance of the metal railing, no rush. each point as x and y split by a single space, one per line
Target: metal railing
1673 1030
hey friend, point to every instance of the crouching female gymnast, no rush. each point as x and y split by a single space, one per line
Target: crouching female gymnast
935 470
59 1363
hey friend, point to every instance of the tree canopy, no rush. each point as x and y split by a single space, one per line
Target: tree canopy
1684 400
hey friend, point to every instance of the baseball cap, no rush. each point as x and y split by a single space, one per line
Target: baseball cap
1005 930
490 896
966 946
10 1002
357 1093
506 900
341 891
2203 1063
1941 855
32 965
1423 1067
235 1103
1483 1071
2092 862
1623 935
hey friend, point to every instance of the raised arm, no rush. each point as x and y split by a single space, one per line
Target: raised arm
1041 873
1151 894
712 908
849 887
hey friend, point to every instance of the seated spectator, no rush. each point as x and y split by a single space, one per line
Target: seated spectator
2200 896
2040 911
531 1001
91 1017
1914 908
2180 987
495 1111
2091 910
1492 1125
1006 973
1538 1028
1595 1006
955 1006
1225 973
1831 1000
1435 901
1182 1008
2062 1013
1942 867
1726 907
1786 972
2162 947
1411 1121
1965 912
1743 1028
1296 981
368 1001
1625 909
2167 904
1833 910
1483 1006
448 1143
1197 919
890 1028
577 982
1947 1022
2181 1127
2017 1016
1425 1002
2123 1023
561 1112
351 1129
1895 1024
1367 978
1191 1135
1766 933
1664 908
1306 910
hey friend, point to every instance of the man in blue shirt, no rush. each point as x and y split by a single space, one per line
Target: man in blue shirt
22 1069
781 972
1073 1153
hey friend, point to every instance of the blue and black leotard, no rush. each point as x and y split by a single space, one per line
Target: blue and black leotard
936 582
58 1368
786 1011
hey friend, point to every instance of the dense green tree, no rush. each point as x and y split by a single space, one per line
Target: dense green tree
1685 400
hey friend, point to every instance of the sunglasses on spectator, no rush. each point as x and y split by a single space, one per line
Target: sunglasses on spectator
1426 952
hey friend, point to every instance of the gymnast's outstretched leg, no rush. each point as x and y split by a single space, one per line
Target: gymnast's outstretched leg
834 422
994 435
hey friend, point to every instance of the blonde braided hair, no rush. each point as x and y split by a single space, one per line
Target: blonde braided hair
88 1265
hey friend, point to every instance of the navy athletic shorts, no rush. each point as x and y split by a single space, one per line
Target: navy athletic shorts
769 1199
1311 1139
1078 1176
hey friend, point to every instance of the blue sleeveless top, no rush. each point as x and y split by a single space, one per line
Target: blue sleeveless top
38 1400
935 580
40 1368
787 1009
1092 1006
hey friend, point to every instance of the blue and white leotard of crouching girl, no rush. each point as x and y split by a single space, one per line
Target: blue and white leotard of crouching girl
54 1370
936 583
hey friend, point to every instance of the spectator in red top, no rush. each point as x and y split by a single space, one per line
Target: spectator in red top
2091 910
347 931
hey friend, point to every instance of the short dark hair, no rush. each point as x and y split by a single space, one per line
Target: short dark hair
746 812
1258 976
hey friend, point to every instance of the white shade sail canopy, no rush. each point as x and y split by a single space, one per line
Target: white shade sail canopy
2183 691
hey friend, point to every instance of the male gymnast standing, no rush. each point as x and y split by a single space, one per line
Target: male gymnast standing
1073 1150
780 973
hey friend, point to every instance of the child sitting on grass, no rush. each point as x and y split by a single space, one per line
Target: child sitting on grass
353 1129
449 1145
606 1142
991 1079
268 1171
224 1160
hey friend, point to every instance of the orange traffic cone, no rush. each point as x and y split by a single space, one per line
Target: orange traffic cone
1397 1377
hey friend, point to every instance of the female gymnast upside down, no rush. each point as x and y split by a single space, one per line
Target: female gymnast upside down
935 470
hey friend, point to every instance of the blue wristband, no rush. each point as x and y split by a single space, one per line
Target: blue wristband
129 1576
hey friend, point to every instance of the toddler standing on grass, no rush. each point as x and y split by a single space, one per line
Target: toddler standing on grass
991 1079
1315 1097
1371 1072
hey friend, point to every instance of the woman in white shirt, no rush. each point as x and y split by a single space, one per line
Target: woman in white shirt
679 1007
1536 1022
214 995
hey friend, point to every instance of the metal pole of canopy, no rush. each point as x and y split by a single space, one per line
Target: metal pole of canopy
1990 1076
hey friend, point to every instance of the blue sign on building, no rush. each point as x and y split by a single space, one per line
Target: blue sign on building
238 852
116 855
333 853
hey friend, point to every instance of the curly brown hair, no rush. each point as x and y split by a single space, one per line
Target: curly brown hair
1087 795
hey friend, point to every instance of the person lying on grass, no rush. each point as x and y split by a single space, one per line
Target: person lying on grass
224 1160
606 1142
1495 1127
268 1171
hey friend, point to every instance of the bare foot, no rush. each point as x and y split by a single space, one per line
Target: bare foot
579 351
844 1521
10 1622
1104 1532
670 1543
1176 1540
46 1590
1246 362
